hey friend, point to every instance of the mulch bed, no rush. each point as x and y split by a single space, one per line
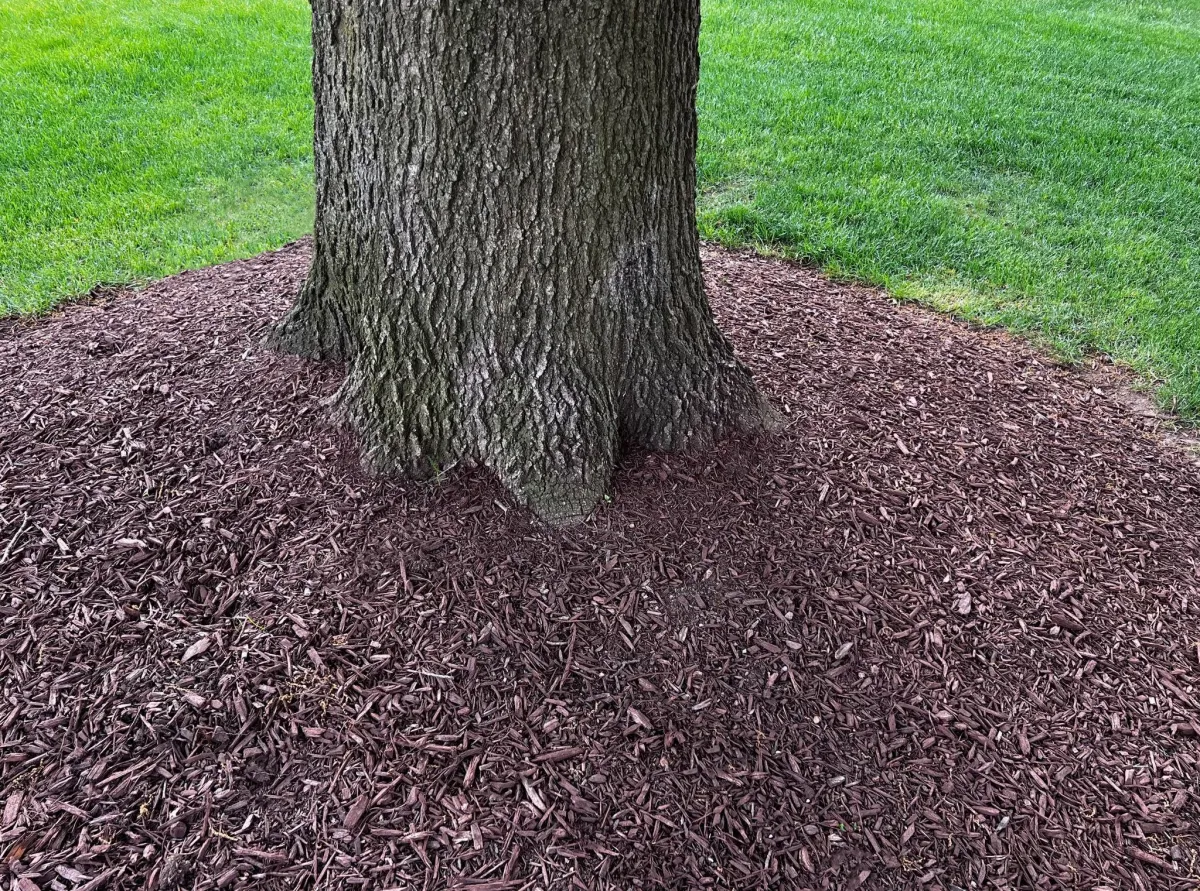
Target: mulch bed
942 632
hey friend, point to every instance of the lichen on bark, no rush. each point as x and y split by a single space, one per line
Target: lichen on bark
505 251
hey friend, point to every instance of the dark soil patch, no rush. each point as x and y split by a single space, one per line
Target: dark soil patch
943 632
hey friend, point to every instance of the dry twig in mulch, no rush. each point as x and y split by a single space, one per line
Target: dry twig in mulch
942 632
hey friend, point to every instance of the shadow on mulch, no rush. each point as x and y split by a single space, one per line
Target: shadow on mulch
942 632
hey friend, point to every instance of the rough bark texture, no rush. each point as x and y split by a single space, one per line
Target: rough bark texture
505 246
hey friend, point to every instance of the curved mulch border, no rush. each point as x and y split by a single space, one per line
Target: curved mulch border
943 632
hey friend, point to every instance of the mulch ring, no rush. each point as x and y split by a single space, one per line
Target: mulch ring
942 632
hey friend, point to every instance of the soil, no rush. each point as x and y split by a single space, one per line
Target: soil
942 631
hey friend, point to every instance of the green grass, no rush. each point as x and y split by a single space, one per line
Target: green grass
1030 164
140 138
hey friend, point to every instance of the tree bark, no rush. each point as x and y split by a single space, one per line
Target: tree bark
505 250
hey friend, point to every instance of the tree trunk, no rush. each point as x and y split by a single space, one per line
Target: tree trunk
505 247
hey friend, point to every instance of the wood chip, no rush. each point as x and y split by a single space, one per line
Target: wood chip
941 628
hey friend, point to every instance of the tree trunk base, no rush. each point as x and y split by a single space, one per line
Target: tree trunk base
553 440
555 452
313 327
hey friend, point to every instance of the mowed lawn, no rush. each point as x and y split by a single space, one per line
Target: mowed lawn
1031 164
140 137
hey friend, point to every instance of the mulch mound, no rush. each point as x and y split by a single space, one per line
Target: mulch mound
942 632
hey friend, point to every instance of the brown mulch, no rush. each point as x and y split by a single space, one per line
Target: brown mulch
942 632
